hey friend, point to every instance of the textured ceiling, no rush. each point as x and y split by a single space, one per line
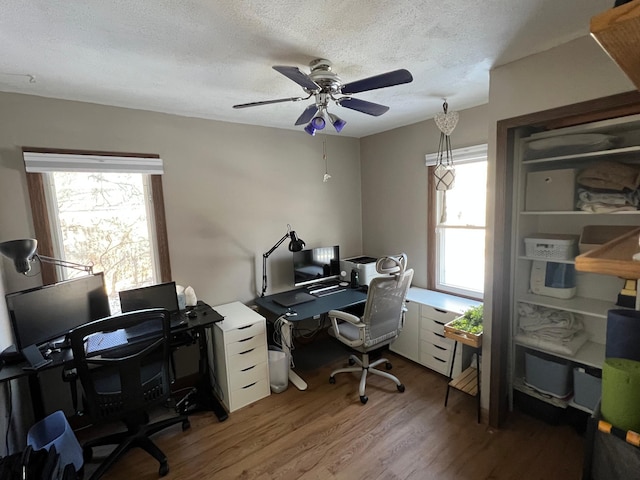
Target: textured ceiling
199 57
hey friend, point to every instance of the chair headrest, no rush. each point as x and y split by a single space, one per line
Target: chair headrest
392 264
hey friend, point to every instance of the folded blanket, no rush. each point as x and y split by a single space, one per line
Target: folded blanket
610 175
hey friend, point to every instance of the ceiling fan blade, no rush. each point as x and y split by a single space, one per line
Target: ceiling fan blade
294 73
383 80
269 102
363 106
307 115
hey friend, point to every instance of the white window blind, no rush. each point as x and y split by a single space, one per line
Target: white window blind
37 162
461 155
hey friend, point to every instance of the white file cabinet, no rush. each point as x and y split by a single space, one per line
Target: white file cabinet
422 338
240 370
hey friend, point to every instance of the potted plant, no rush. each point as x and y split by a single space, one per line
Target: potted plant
466 328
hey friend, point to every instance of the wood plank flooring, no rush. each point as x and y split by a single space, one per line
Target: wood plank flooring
325 433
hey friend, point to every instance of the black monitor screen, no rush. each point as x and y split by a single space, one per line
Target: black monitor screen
45 313
162 295
315 265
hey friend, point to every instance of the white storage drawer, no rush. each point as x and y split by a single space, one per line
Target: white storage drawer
436 339
243 333
246 345
440 316
247 358
249 393
247 376
439 363
241 367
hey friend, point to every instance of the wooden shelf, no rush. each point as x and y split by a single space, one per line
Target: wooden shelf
466 382
617 30
614 257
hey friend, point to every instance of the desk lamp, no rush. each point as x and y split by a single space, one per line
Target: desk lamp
295 245
23 252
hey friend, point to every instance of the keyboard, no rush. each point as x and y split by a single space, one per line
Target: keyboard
330 291
322 287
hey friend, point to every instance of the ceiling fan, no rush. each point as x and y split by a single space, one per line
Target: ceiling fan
325 85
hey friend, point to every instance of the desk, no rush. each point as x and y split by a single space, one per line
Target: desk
201 398
303 311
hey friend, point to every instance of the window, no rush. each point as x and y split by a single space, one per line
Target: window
101 210
457 227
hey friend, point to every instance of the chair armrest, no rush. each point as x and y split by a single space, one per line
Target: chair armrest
335 315
347 317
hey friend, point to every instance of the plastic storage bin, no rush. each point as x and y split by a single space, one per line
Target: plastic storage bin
587 388
55 430
278 371
548 374
548 246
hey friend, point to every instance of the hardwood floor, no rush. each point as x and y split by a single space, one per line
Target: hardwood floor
325 433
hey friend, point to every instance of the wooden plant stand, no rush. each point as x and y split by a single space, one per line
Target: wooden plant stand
469 380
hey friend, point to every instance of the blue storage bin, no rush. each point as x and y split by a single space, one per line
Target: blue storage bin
55 430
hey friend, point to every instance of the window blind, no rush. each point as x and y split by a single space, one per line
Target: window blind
38 162
461 155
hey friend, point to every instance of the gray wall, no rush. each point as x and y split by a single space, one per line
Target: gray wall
230 190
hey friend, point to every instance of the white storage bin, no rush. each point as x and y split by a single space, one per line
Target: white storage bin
551 246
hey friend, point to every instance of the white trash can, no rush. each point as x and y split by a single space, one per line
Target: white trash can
278 371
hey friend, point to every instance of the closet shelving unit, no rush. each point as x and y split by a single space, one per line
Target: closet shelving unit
597 290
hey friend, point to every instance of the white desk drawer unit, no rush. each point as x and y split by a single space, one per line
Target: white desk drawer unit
241 369
424 340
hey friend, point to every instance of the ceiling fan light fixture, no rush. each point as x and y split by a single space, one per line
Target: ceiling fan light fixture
310 129
318 122
337 122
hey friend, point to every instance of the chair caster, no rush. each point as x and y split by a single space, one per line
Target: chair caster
401 388
87 454
186 425
332 380
364 399
352 362
388 366
164 469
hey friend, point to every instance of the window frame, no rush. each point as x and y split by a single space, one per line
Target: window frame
42 225
462 155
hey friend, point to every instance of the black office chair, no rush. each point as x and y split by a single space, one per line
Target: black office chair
123 365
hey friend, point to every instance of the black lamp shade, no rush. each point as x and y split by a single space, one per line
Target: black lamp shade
20 251
296 244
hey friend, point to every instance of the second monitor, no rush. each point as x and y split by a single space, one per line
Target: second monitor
316 265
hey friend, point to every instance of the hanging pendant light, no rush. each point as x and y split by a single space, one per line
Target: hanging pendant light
326 177
444 171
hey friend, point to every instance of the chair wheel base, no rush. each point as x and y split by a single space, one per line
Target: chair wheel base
186 425
332 380
364 399
164 469
388 366
401 388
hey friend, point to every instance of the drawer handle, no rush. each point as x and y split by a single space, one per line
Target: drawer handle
438 335
440 310
248 368
245 339
439 323
246 326
439 347
442 361
246 351
250 385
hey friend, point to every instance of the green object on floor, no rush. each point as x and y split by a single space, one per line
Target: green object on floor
621 393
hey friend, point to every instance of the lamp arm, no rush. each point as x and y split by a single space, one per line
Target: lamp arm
65 263
264 262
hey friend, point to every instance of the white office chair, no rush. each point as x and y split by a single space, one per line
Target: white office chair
381 323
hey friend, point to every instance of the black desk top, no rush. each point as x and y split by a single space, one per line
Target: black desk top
206 316
319 306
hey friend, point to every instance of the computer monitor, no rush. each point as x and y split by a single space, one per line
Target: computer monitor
316 265
39 315
162 295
